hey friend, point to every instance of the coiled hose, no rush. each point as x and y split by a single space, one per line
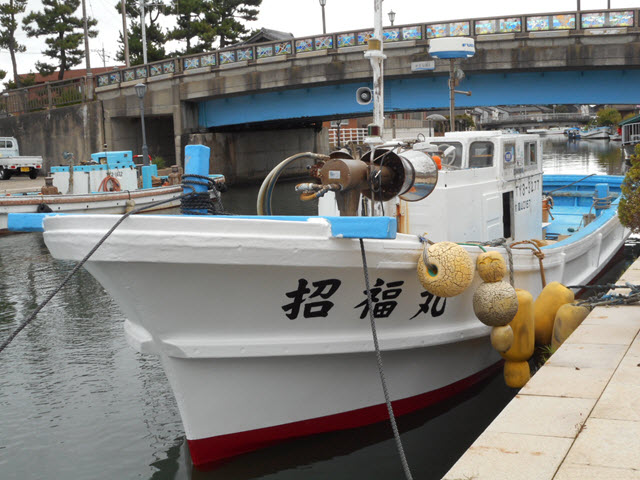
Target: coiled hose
263 204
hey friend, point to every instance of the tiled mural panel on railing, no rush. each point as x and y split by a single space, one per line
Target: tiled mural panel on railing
208 60
391 35
114 77
498 25
283 48
141 72
155 70
304 45
169 67
265 51
245 54
621 19
227 57
454 29
412 33
129 75
190 63
563 22
346 40
103 80
324 43
537 24
363 37
510 25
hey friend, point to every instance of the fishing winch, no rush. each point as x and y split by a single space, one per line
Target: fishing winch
380 175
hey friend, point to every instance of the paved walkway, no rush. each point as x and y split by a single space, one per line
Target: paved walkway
21 183
579 416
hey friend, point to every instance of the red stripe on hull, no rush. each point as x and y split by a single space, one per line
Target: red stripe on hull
205 451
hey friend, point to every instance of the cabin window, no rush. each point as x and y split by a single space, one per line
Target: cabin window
481 155
455 162
9 144
2 144
530 157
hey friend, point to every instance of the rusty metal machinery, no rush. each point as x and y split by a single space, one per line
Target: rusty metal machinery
380 175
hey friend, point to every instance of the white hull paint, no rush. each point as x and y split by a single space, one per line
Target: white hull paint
210 296
102 203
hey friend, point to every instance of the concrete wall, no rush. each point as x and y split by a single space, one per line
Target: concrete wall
76 129
247 157
126 134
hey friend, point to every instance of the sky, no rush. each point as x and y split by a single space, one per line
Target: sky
304 17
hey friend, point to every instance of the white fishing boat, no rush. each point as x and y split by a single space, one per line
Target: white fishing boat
596 133
262 322
107 184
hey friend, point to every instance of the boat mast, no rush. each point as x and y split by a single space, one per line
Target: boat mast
376 57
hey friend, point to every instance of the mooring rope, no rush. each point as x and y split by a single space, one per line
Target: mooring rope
200 203
392 418
610 299
31 317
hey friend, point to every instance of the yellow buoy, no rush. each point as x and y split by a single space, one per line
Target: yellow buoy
491 266
516 374
568 318
449 271
495 304
502 338
523 329
552 297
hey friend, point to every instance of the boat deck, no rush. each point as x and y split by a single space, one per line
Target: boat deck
579 415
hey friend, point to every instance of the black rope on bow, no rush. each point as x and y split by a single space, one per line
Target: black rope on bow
202 203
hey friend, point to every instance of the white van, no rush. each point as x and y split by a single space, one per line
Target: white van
11 163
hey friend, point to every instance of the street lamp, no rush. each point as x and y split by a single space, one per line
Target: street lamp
392 16
324 27
141 89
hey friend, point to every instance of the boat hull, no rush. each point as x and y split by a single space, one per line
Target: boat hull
103 203
265 334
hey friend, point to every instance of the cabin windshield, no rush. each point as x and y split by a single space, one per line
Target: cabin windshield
451 162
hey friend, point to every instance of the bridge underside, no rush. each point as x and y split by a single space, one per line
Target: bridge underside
325 102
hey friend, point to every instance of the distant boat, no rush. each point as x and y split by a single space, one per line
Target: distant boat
597 133
615 137
573 133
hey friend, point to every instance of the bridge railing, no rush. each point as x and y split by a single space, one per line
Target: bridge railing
240 55
537 117
355 135
44 96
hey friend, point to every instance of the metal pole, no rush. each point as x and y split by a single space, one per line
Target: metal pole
87 52
324 27
125 33
452 119
144 33
145 149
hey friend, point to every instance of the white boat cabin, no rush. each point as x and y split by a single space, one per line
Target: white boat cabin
490 188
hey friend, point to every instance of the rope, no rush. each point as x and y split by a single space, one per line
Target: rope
104 184
572 183
31 317
392 418
200 203
603 298
535 249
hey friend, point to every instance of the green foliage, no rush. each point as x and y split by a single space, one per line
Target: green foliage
160 162
64 34
25 81
562 109
608 117
629 208
629 115
227 15
192 26
465 122
2 74
8 26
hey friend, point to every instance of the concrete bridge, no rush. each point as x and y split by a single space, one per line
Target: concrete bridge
234 99
537 120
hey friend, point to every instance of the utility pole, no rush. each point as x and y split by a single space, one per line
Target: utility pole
144 33
103 56
87 52
125 33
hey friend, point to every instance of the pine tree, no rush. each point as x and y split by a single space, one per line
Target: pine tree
226 16
8 26
629 207
155 36
192 26
64 33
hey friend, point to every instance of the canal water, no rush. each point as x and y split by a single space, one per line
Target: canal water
76 402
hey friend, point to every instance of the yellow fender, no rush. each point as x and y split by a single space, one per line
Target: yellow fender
523 329
568 318
552 297
450 270
491 266
516 374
